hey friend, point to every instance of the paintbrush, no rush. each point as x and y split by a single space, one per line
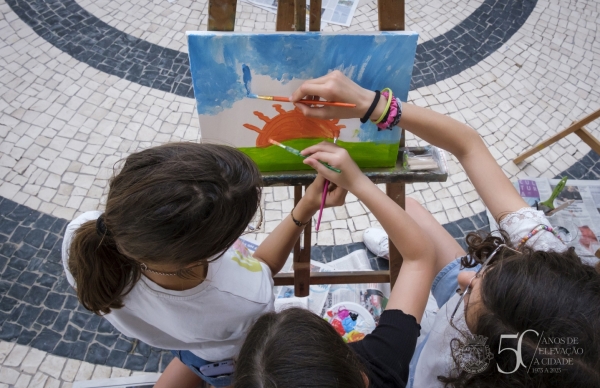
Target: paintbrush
323 197
548 205
307 102
297 153
247 78
559 208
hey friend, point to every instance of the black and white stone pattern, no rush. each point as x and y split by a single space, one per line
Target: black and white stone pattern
39 308
72 29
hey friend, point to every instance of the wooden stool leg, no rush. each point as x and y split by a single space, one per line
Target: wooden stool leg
302 255
589 139
576 126
396 191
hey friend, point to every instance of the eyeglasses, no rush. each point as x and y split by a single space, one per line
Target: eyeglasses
483 267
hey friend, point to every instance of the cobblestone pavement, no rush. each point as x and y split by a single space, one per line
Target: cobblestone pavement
45 314
66 118
23 366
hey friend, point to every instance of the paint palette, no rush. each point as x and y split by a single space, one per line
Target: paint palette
231 70
352 321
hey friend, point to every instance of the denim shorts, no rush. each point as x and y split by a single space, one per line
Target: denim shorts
443 288
194 363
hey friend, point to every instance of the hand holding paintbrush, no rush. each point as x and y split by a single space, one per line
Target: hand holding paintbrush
247 77
350 176
323 197
336 87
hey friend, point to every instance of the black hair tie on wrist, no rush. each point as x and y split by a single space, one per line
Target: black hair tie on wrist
372 107
101 226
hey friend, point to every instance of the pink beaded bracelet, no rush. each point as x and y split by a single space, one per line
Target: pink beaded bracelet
535 231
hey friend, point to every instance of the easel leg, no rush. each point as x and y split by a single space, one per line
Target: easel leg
302 255
300 15
286 11
221 15
396 191
315 15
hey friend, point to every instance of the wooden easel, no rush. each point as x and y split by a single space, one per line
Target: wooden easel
291 16
577 128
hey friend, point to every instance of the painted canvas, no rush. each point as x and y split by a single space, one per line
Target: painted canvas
228 67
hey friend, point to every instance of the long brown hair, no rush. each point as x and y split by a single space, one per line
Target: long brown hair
175 204
553 293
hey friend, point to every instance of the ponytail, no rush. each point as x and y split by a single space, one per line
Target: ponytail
102 274
177 204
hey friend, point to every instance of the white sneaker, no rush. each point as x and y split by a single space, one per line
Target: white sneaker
376 240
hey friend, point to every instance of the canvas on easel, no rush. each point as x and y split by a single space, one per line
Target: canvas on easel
227 68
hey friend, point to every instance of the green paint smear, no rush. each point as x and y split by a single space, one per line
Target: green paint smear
365 154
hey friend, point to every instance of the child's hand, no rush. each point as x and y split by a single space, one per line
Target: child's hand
337 157
336 196
335 86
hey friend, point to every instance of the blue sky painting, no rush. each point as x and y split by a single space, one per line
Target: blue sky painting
277 63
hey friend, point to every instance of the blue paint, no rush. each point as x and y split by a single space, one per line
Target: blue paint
374 61
248 81
348 324
370 132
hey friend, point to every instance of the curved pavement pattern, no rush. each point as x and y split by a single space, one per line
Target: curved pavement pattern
514 70
39 308
80 34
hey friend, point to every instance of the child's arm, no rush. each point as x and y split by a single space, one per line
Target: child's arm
278 245
496 191
411 291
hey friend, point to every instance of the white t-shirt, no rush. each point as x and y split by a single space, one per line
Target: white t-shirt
436 357
210 320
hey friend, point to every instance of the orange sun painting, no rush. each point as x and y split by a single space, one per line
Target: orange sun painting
236 77
292 124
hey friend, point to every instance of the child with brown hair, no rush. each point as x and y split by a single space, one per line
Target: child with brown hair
163 263
517 309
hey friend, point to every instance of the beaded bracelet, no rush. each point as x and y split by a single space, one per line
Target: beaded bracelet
398 115
535 230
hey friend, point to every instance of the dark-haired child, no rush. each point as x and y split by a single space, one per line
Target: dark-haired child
163 262
515 290
295 348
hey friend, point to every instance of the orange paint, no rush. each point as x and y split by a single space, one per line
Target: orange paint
293 124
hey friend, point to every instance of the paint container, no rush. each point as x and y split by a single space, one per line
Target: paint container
350 320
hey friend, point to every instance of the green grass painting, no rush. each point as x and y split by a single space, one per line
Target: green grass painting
366 154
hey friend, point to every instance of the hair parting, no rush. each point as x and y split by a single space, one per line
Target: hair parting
296 348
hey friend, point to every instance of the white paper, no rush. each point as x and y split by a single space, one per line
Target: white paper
581 218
